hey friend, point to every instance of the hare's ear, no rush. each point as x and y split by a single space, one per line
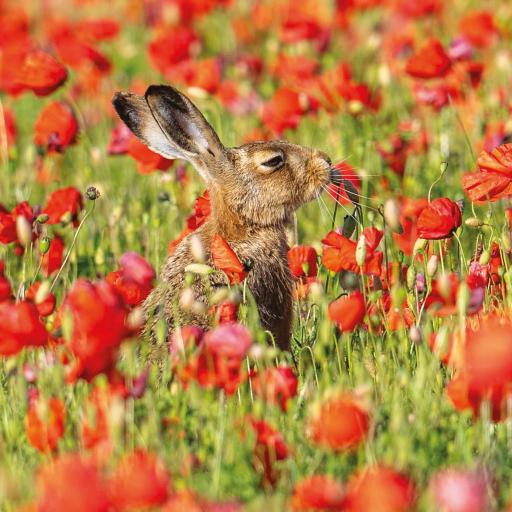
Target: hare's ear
171 125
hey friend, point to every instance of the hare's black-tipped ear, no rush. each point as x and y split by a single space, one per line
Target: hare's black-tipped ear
182 121
136 114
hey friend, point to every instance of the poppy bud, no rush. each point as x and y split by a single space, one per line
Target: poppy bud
473 222
432 265
197 249
135 319
349 225
44 244
463 297
392 214
505 241
420 244
484 257
23 230
92 193
355 107
198 308
42 292
411 277
415 335
444 286
361 251
220 295
42 218
199 268
187 299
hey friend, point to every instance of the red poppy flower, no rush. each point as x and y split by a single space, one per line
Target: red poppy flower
119 140
499 160
430 61
348 312
47 306
318 492
439 220
71 483
61 202
56 127
484 186
99 326
269 448
410 210
100 29
52 260
41 73
284 110
302 261
10 127
380 488
419 8
45 432
5 285
205 74
133 294
171 48
276 385
140 481
479 28
338 423
21 327
226 260
8 232
147 160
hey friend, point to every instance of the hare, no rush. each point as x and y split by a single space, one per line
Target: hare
254 189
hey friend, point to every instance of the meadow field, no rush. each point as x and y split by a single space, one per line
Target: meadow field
396 393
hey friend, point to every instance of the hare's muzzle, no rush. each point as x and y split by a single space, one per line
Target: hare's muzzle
335 176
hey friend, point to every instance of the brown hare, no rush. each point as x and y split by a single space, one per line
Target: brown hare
254 189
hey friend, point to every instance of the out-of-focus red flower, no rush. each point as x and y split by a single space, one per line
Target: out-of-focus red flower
479 28
226 260
61 202
21 327
8 232
338 191
41 73
147 160
140 481
10 127
295 69
52 260
71 483
44 424
119 140
5 285
420 8
486 368
136 268
99 29
205 74
47 305
176 45
98 328
348 312
338 422
395 151
184 338
276 385
302 261
218 361
439 220
284 110
430 61
380 488
225 313
455 490
318 492
269 448
410 210
56 127
339 253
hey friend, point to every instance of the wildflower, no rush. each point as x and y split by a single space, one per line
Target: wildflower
52 259
318 492
348 312
430 61
62 202
339 422
275 385
439 219
40 295
302 261
56 127
44 428
226 260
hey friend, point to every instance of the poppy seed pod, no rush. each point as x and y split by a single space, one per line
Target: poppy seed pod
420 244
411 277
473 222
197 249
23 230
44 244
392 214
485 257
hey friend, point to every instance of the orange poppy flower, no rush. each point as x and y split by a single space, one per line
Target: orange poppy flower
439 219
430 61
318 492
338 423
56 127
226 260
61 202
348 312
147 160
479 28
45 433
41 73
302 261
275 385
47 306
52 260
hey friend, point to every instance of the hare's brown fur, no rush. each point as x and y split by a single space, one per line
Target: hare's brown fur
254 189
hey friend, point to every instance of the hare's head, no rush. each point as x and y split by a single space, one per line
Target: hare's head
262 182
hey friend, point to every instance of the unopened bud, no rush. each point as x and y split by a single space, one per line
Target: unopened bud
42 292
411 277
463 297
198 308
219 295
199 268
420 244
23 230
136 318
485 257
187 299
197 249
444 286
432 265
505 241
44 244
392 214
473 222
415 335
361 251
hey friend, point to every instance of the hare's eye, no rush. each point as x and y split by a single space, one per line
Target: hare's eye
274 162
